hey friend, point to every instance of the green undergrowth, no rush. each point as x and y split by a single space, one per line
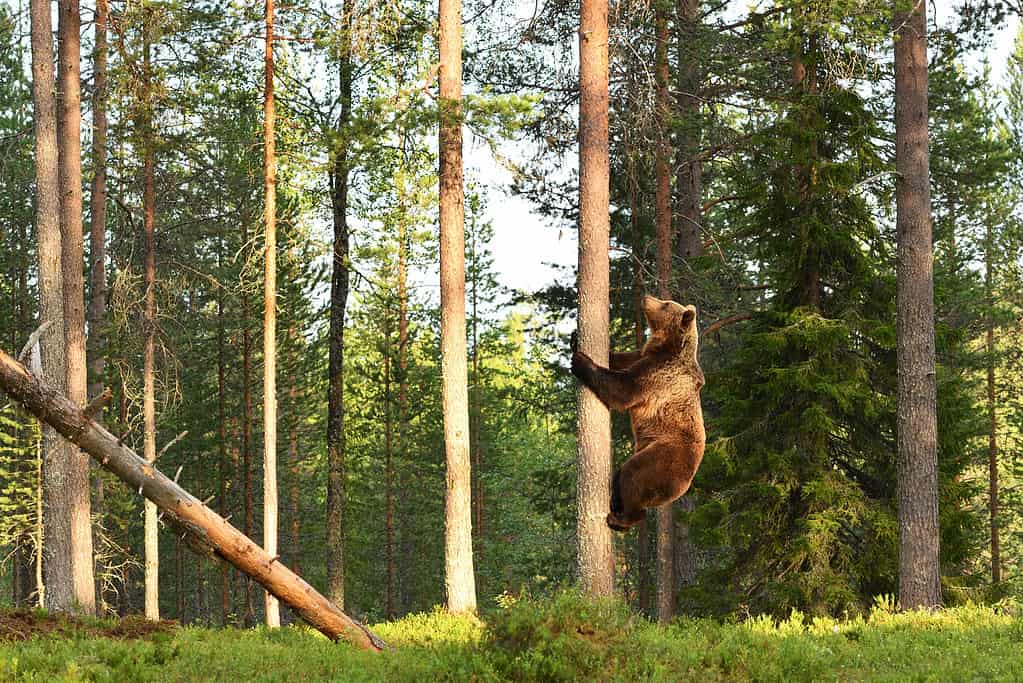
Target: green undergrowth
565 638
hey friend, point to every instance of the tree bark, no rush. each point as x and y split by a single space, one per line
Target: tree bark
459 579
595 549
152 546
688 167
69 141
97 241
56 512
248 615
992 416
639 324
919 571
207 531
338 303
476 407
404 516
294 464
388 475
272 611
689 193
225 577
662 220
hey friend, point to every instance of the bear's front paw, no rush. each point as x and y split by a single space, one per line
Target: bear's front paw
580 362
573 342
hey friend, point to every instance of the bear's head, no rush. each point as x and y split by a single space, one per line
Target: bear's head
671 324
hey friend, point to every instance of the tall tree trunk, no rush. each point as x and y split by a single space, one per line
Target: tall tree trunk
388 476
58 588
919 571
662 220
23 587
804 78
992 443
152 546
404 532
595 549
97 245
247 607
338 303
294 464
689 193
179 571
199 608
459 577
476 408
688 167
643 532
273 614
69 128
225 575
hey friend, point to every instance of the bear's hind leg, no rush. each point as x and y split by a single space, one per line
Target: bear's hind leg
621 517
658 474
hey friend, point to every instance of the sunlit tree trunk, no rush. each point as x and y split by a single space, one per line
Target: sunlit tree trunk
57 522
595 550
273 615
919 571
152 547
69 141
459 577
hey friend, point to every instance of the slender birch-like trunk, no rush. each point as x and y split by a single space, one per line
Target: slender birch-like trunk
152 547
273 614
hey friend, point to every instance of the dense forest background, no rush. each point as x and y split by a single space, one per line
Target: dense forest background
782 125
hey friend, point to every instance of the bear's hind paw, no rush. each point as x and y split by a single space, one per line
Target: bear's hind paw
613 522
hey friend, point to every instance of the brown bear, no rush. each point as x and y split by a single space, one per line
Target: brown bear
660 387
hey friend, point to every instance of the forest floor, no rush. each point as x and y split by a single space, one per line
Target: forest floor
565 638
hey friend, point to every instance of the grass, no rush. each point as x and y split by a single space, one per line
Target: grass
566 638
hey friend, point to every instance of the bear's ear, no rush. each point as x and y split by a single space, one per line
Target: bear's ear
688 317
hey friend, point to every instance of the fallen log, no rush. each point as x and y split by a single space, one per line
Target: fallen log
206 531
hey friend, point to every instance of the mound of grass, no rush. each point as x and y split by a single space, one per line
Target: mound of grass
565 638
23 624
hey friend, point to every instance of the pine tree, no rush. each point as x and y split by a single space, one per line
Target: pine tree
919 574
595 555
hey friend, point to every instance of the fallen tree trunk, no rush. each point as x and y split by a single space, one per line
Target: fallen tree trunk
206 531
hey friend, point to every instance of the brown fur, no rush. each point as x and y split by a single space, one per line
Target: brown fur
660 388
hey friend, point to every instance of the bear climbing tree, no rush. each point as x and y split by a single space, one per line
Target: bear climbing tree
660 388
